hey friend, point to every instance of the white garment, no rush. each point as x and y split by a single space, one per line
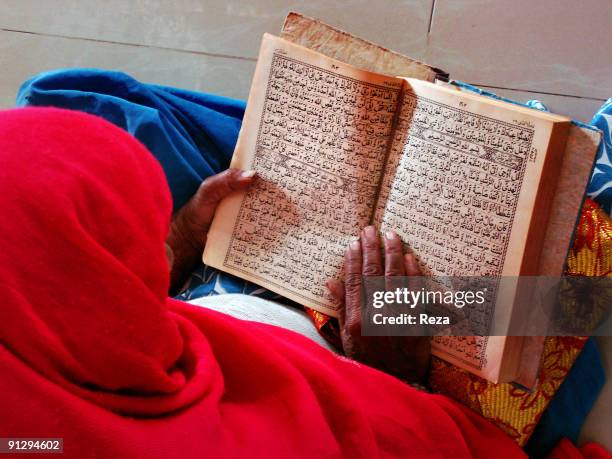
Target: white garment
256 309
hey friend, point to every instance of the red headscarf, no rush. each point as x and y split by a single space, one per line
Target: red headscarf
93 351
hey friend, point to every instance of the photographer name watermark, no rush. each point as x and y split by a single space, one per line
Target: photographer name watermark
412 299
486 306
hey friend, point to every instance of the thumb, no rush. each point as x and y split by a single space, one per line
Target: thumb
215 188
193 220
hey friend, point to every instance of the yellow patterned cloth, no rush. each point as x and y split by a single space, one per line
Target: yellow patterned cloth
591 254
514 410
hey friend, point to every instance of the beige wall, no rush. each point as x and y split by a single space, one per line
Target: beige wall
554 50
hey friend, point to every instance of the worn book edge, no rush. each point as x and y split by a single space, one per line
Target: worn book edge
358 52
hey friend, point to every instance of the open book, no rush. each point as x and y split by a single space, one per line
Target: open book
465 180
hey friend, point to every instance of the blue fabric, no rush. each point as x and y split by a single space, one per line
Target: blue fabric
600 188
193 136
571 404
207 281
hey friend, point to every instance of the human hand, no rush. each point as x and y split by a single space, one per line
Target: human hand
190 225
406 357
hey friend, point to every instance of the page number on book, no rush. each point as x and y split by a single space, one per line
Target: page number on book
533 155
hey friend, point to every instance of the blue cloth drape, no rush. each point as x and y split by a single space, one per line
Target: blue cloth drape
600 188
567 411
191 134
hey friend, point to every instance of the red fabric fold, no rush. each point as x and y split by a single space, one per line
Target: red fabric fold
565 449
94 352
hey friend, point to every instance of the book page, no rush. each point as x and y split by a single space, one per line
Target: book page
460 187
316 131
576 169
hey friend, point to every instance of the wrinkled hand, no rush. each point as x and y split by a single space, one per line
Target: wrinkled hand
190 225
406 357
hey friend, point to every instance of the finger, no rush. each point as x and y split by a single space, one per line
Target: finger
336 290
411 265
415 281
394 260
215 188
372 259
350 318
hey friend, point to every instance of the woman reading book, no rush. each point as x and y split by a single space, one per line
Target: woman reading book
94 352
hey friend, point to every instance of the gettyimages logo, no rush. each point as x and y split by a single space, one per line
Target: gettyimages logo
486 306
412 298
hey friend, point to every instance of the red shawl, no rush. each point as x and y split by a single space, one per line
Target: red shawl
94 352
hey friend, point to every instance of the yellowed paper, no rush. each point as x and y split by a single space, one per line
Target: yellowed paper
316 131
576 167
463 187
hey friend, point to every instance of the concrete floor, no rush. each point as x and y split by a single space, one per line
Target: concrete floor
557 51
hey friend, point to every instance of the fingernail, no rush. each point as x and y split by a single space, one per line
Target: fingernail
390 235
370 231
354 245
248 174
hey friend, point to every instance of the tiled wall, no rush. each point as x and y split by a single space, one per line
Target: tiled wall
554 50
